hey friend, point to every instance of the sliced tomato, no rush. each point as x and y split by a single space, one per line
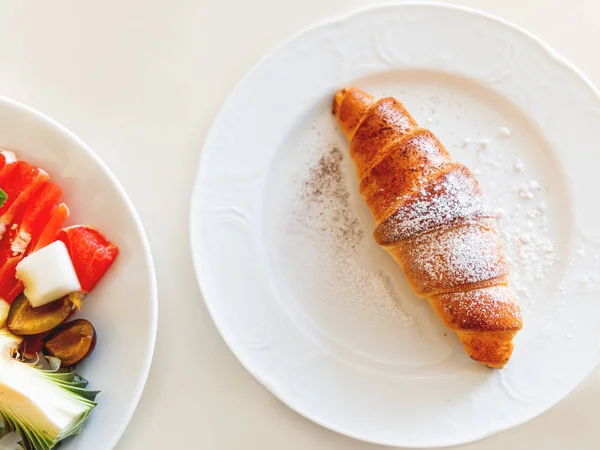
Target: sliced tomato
36 216
6 251
92 254
58 217
6 157
15 291
7 164
21 184
10 287
16 178
6 170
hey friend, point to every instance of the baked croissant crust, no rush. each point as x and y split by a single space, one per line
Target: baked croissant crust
431 218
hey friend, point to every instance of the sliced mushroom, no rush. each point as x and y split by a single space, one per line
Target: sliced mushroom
24 320
71 342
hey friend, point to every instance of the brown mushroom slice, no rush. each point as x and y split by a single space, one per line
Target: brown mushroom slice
23 319
71 342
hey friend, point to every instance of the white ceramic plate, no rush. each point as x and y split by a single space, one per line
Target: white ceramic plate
123 306
321 315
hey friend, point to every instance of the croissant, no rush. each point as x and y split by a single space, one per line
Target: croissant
431 217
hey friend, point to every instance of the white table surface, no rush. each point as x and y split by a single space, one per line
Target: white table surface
140 81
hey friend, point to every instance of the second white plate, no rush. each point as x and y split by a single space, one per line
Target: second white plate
316 310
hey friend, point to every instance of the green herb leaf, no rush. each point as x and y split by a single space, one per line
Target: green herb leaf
3 197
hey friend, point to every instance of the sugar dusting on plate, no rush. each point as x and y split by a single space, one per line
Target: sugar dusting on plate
325 215
505 132
524 226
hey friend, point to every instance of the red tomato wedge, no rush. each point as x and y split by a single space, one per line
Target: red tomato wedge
15 291
7 160
16 178
58 217
36 216
6 251
10 287
2 160
91 253
19 185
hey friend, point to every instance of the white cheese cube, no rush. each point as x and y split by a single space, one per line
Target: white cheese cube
4 308
48 274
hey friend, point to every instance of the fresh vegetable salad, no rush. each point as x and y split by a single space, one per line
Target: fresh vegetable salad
46 270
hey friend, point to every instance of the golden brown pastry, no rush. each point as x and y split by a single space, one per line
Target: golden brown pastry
431 218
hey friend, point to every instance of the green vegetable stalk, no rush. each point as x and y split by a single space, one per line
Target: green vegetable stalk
38 401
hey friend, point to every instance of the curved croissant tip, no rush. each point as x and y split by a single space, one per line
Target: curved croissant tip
496 365
493 349
337 100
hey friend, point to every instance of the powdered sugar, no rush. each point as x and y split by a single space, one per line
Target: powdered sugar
367 292
523 223
451 198
533 258
455 257
519 197
324 215
395 116
519 166
527 191
479 296
482 309
324 200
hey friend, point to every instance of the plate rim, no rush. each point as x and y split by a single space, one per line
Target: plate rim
194 221
147 253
